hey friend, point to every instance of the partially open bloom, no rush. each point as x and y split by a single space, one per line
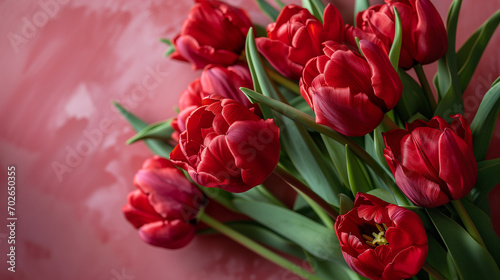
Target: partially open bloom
433 162
164 205
296 37
350 92
226 145
213 33
424 35
219 80
381 240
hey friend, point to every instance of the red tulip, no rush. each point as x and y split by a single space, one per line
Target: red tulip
219 80
433 162
164 205
424 35
348 92
296 37
213 33
381 240
226 145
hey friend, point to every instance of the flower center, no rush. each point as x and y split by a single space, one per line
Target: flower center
378 238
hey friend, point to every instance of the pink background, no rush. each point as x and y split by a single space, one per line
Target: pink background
61 65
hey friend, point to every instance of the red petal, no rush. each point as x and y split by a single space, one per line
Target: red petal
333 24
138 211
276 52
349 114
171 235
256 148
407 263
385 81
457 165
200 56
420 152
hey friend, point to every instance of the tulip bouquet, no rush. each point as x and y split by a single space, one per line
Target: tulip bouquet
332 154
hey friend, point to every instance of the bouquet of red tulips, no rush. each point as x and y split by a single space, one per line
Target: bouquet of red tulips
331 152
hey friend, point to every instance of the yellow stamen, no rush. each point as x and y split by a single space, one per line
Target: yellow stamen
378 238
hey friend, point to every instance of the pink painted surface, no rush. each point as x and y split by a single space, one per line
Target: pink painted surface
62 62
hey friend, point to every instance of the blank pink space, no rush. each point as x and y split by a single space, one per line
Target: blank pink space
61 64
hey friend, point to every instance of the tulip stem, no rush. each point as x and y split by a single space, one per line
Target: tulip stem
287 83
433 272
425 86
305 191
467 221
256 247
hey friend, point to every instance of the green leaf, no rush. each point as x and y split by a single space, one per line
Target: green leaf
447 81
359 6
332 270
268 237
161 131
398 39
487 179
471 260
484 122
280 4
346 204
470 53
158 147
359 180
437 256
413 98
336 151
269 10
313 237
170 46
315 7
485 228
385 195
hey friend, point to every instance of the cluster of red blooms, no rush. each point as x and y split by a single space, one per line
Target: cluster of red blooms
224 142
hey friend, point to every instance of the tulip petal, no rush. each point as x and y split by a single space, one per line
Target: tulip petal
418 189
333 24
233 111
277 53
385 81
200 56
406 264
138 211
345 69
457 165
256 148
349 114
420 152
430 38
370 261
171 235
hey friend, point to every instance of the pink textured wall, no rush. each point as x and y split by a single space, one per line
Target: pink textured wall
61 64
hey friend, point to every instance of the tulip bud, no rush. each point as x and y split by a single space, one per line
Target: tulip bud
433 162
296 37
213 33
424 36
164 206
380 240
226 145
349 92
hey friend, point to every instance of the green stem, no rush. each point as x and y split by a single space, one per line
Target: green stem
468 223
256 247
305 190
289 84
432 271
425 86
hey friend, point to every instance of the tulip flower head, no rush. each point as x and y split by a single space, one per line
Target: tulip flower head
164 206
433 162
296 37
380 240
213 33
350 92
226 145
424 35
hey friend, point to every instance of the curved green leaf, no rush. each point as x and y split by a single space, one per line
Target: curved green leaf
161 131
359 180
359 6
158 147
267 9
470 53
398 39
484 122
413 98
471 260
316 7
487 179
